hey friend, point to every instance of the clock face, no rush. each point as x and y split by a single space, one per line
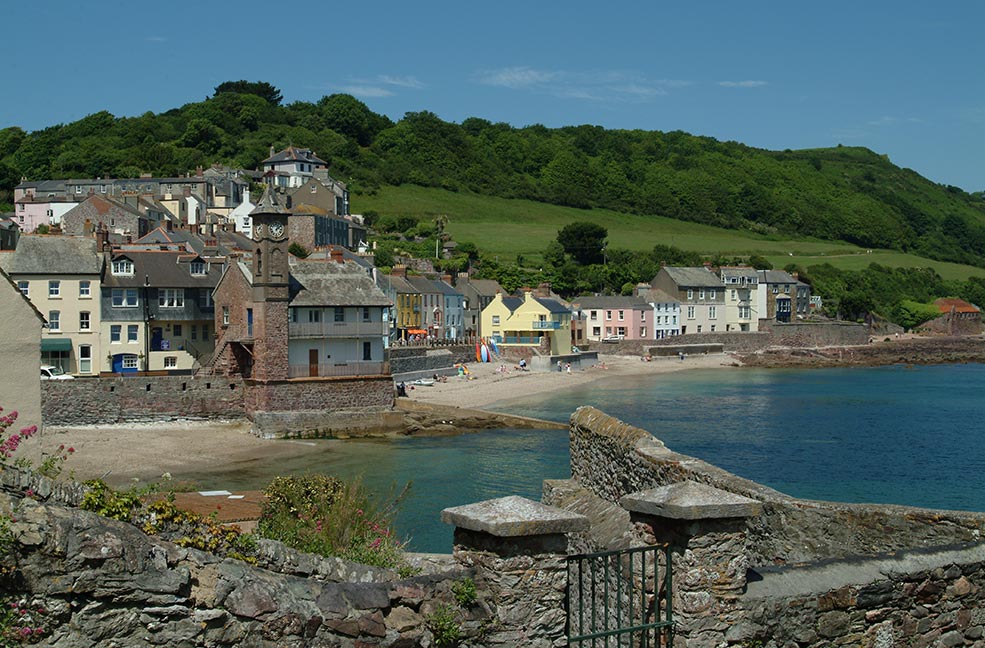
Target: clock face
258 230
276 230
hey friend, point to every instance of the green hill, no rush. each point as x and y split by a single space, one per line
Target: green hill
632 181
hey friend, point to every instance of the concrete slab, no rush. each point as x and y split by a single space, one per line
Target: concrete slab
690 500
513 516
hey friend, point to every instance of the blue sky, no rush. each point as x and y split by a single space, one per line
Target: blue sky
903 78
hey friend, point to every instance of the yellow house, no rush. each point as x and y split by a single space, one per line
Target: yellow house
528 322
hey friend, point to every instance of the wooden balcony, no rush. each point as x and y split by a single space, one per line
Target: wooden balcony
338 329
340 369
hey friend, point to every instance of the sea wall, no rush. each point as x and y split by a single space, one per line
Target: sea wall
94 401
815 334
789 572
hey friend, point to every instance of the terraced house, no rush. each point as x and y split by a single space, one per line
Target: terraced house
62 277
701 294
528 321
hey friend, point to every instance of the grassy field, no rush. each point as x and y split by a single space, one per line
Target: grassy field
510 227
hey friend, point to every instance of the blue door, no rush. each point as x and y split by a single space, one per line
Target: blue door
118 363
249 322
156 334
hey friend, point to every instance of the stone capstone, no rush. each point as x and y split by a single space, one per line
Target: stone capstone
690 500
514 516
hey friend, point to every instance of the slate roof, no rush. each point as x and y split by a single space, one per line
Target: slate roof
162 269
657 296
272 202
293 154
325 283
43 186
738 272
553 306
424 285
55 255
485 287
398 284
610 301
446 289
694 277
776 277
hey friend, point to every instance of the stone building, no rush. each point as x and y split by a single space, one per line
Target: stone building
701 294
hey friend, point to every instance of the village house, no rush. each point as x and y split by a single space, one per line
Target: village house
157 310
406 316
666 311
701 294
61 276
33 211
778 295
9 233
291 167
432 304
528 322
476 294
615 318
741 298
130 217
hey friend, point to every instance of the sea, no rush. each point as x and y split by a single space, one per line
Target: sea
911 435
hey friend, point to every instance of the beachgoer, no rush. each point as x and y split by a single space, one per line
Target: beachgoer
559 366
567 367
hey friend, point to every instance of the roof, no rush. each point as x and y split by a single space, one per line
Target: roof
326 283
552 305
272 202
424 285
776 277
945 304
738 271
163 269
485 287
292 154
399 284
700 277
55 255
657 296
610 301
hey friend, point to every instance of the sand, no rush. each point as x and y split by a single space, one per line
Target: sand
145 452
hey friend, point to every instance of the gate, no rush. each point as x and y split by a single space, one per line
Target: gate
620 599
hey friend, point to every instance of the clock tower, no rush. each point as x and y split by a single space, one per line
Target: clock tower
271 287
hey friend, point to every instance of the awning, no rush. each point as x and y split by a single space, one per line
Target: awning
417 331
56 344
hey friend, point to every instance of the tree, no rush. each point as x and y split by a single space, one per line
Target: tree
584 241
258 88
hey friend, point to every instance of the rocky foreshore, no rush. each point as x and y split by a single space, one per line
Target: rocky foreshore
882 351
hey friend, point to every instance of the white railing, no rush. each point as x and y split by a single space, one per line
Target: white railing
340 369
338 329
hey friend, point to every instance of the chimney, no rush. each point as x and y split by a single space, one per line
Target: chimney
187 190
795 275
102 237
168 224
399 271
272 151
336 254
527 293
198 171
446 278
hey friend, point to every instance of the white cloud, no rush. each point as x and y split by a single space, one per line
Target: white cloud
597 85
743 84
156 39
888 120
400 82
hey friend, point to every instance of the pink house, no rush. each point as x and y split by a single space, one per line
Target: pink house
614 317
29 211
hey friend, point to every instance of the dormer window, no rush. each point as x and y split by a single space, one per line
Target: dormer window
123 267
198 268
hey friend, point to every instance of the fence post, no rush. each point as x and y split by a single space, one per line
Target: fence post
706 530
517 548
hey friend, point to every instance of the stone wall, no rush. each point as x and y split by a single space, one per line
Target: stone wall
320 395
954 324
140 399
815 334
736 341
798 573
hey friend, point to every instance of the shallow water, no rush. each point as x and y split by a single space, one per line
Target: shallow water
905 435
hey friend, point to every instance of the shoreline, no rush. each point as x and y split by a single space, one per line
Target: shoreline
144 452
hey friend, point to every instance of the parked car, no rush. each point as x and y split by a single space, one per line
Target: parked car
613 338
49 372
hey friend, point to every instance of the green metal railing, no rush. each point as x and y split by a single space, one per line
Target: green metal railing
615 598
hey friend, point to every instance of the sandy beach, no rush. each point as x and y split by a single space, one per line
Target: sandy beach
144 452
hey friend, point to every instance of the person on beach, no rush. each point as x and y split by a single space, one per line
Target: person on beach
567 366
559 366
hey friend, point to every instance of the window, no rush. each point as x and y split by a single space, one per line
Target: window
365 313
712 312
735 294
701 294
205 331
124 297
714 293
205 298
621 315
593 315
85 359
114 333
171 297
85 289
84 322
596 331
643 316
339 314
129 361
198 268
712 328
54 289
608 315
776 289
194 331
170 362
177 330
367 351
690 312
314 316
24 287
54 320
495 320
131 333
690 293
643 332
123 267
225 316
78 189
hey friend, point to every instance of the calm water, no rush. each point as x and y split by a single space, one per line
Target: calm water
888 434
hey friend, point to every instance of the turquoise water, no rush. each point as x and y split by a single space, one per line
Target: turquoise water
905 435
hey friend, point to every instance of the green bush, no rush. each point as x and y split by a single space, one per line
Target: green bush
324 515
444 627
464 591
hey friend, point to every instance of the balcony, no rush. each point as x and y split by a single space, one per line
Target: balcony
341 369
338 329
547 325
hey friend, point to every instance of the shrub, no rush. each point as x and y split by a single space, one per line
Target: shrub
324 515
22 622
444 627
464 591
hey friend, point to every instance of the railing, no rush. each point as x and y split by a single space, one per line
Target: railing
618 598
545 325
340 369
520 339
338 329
